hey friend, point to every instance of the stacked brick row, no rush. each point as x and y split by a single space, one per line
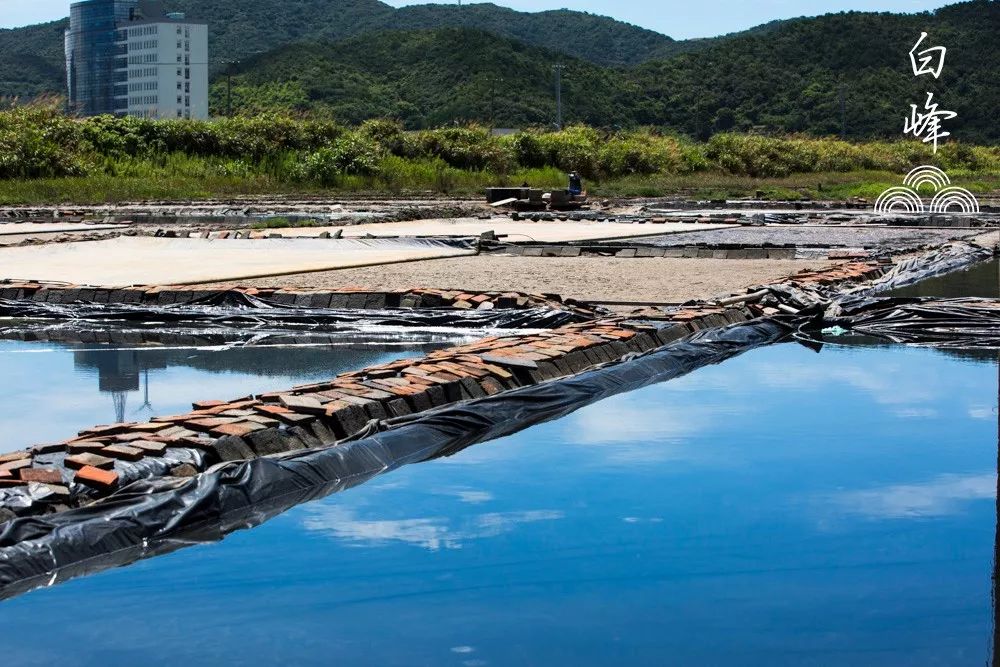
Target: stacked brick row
847 272
100 459
348 297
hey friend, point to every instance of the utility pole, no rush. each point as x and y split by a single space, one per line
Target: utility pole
558 69
229 89
843 112
493 100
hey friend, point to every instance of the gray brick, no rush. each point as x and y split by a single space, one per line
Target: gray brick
231 448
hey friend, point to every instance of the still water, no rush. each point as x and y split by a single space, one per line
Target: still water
61 387
785 507
982 280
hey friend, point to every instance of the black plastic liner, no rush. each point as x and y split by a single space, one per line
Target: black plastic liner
235 308
160 515
948 258
926 321
929 322
827 300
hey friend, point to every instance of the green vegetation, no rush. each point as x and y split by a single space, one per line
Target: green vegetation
336 60
788 79
31 58
46 156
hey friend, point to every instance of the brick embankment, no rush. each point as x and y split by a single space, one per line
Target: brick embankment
292 297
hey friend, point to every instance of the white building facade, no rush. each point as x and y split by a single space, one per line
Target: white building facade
131 58
167 69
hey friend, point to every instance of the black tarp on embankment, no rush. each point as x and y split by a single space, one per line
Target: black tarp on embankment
967 322
236 308
927 321
160 515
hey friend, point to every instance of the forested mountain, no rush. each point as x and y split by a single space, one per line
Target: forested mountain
427 78
791 77
357 59
31 59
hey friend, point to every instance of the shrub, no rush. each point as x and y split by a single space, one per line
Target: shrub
350 155
38 142
572 149
466 148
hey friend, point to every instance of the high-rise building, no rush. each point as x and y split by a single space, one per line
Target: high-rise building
131 58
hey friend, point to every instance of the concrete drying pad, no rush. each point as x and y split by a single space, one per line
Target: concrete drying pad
516 231
594 279
163 261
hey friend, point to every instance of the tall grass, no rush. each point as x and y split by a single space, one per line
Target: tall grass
42 151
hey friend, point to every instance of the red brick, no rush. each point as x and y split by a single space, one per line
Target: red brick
509 360
96 478
201 405
238 429
149 447
13 467
300 403
149 426
92 460
42 475
123 452
82 446
14 456
108 429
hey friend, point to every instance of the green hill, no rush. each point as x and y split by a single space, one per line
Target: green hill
791 77
31 59
428 78
788 77
357 59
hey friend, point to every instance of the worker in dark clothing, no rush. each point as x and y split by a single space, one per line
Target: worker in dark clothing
575 184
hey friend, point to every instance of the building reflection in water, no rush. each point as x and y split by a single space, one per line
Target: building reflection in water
121 372
118 374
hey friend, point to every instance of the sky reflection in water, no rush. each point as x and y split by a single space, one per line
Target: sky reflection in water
785 507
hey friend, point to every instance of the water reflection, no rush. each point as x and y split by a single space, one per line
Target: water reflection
168 371
982 279
831 508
